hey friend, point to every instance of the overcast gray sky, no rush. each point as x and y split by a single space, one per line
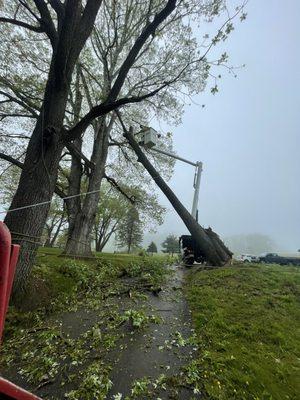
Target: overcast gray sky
248 134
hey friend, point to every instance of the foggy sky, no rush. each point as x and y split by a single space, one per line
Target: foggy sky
248 134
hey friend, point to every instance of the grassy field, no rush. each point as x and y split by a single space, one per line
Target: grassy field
247 322
56 277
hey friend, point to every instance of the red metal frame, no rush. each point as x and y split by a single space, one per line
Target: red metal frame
8 259
5 248
14 392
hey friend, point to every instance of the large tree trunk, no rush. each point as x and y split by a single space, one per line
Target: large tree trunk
39 174
215 253
79 236
37 181
73 205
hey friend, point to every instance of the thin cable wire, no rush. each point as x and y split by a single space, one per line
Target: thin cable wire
48 202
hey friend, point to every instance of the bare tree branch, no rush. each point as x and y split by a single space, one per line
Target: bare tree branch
114 183
12 21
25 5
14 136
58 7
15 115
105 108
131 57
78 154
21 103
47 22
19 164
12 160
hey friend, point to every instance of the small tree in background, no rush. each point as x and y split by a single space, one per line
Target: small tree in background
152 248
56 222
112 208
171 245
130 231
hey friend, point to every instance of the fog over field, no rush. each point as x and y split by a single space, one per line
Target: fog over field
247 135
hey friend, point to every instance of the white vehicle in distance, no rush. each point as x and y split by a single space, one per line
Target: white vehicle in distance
248 258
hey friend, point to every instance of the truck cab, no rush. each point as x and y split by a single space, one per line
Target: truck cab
189 250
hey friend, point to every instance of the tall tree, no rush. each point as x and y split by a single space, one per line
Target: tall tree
55 222
115 30
152 248
130 231
113 211
67 32
171 245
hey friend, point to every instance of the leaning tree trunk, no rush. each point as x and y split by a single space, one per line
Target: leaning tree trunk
79 235
214 253
217 242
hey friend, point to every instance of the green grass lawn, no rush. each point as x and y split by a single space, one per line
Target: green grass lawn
247 322
55 279
117 259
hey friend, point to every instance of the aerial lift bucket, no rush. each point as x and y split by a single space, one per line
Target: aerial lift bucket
8 259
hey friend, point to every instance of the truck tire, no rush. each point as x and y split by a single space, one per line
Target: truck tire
188 261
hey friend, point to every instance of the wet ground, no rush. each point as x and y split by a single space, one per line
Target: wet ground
151 356
161 348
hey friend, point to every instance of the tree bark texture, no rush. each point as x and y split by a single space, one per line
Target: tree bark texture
73 205
215 252
79 235
37 183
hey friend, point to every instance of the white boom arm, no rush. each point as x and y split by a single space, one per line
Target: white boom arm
197 178
149 141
